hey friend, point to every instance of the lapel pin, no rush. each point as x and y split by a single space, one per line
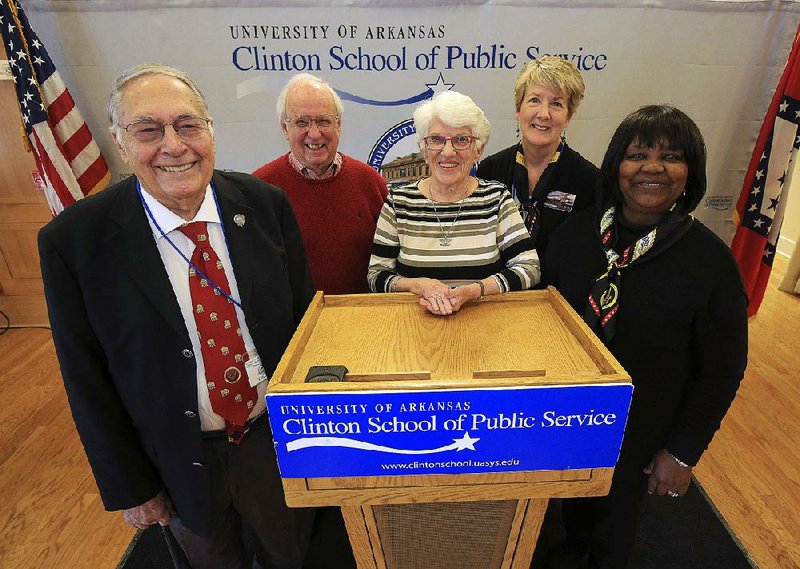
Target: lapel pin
238 219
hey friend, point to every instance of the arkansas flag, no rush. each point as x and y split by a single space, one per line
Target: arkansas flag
67 157
766 185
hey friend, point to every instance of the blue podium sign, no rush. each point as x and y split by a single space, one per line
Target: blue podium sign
383 433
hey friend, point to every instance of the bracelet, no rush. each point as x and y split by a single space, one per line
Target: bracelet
483 291
680 462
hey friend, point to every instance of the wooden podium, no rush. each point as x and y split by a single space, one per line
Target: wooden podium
388 342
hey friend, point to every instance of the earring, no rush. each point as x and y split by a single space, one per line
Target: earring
518 134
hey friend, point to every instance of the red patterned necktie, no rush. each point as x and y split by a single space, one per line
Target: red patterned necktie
232 397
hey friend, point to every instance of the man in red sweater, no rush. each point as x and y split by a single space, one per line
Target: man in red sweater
336 198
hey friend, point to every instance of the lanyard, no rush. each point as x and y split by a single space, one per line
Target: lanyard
184 257
514 192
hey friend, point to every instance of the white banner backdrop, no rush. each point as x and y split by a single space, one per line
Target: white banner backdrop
717 61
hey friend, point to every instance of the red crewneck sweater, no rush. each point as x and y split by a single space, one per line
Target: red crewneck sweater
337 218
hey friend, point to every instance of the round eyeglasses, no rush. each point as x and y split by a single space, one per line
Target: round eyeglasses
187 128
459 142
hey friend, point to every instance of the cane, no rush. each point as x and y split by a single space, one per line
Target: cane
179 559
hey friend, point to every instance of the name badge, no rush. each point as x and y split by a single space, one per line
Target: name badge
560 201
255 371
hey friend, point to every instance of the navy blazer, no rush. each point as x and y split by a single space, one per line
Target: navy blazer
122 344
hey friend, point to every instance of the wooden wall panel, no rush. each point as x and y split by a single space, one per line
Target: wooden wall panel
23 211
18 243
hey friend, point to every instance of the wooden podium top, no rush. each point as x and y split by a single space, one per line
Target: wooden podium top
388 341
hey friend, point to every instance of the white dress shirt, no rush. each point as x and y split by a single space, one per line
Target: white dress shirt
178 271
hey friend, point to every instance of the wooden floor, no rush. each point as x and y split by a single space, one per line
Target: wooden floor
752 468
51 515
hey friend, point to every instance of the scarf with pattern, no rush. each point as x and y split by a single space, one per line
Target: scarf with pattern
603 303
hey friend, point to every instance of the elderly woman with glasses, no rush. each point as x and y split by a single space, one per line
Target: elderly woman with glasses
548 180
451 238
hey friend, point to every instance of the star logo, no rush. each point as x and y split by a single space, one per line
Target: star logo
440 85
466 442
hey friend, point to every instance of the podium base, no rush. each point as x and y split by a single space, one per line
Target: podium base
497 534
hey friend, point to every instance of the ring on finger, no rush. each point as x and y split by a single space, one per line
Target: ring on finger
672 494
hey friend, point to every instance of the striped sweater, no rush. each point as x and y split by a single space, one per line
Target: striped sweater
485 232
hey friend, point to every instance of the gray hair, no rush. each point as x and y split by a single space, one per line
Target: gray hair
298 80
456 111
115 99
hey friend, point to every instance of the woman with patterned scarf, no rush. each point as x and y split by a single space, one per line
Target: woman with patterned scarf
664 295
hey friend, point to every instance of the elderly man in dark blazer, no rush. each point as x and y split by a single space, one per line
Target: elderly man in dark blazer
171 439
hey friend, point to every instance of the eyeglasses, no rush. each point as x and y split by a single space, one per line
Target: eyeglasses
324 122
459 142
187 128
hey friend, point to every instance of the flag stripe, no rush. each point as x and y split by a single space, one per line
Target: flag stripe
49 147
53 200
95 175
60 107
51 175
76 144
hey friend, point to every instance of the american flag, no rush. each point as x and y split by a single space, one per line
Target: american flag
766 186
67 157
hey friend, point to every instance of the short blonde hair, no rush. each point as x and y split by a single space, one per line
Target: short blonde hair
553 72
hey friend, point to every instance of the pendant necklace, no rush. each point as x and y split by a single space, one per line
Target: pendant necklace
444 241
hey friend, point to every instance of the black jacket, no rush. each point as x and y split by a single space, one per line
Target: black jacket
122 344
681 334
572 174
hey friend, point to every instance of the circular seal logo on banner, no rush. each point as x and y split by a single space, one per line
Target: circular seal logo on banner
387 140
